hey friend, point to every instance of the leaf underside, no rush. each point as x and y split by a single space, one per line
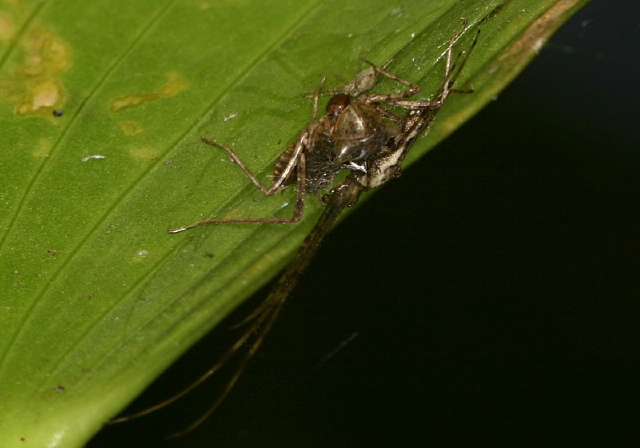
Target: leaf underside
96 298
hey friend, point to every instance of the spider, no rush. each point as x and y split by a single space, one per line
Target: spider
342 138
356 133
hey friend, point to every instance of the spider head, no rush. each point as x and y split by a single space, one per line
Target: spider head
337 104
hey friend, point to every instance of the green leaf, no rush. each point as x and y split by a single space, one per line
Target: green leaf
96 298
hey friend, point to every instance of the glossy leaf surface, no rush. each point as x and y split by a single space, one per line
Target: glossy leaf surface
96 298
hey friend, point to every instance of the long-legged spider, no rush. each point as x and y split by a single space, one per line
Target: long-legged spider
356 133
342 138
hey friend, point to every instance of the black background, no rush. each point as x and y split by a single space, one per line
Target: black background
488 297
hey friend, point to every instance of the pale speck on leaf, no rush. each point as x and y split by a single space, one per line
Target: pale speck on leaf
95 156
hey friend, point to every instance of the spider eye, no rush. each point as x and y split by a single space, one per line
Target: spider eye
337 104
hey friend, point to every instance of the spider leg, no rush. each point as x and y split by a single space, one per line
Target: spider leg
390 98
266 316
284 176
297 161
361 82
263 323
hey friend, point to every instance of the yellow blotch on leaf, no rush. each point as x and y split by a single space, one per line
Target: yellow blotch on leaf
174 86
42 148
130 127
144 153
33 79
7 26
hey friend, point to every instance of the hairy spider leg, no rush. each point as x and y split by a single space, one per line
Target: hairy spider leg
345 195
296 161
363 81
416 122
